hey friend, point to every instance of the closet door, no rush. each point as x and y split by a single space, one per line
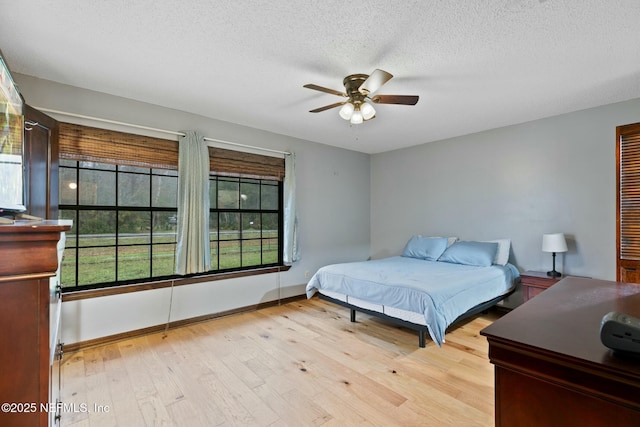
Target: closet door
628 203
41 163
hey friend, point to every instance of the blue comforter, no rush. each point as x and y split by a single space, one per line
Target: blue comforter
441 290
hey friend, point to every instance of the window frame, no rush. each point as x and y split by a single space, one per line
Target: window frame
77 207
240 211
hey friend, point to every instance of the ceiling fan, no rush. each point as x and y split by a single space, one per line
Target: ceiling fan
360 88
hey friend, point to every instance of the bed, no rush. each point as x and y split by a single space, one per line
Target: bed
435 283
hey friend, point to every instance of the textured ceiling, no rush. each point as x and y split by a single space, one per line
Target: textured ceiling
476 65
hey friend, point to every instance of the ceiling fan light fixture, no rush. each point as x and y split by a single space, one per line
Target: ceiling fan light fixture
346 111
367 110
356 117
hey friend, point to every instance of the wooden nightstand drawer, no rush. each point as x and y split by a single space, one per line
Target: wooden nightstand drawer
534 282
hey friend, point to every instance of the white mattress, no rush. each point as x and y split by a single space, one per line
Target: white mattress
398 313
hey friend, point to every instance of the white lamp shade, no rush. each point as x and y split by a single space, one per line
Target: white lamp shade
346 111
367 110
554 242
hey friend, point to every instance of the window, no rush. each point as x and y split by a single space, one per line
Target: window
244 222
124 223
120 190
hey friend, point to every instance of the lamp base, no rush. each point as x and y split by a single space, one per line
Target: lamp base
554 273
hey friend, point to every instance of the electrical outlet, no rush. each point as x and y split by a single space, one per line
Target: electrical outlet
306 274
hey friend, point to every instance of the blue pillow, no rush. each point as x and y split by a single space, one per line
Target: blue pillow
428 248
480 254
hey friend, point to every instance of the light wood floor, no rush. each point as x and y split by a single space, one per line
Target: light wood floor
300 364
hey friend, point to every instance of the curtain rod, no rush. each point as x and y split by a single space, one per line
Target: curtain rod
170 132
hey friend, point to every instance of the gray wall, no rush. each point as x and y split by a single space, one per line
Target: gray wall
333 202
519 182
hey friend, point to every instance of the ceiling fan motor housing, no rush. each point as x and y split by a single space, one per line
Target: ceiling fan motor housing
352 85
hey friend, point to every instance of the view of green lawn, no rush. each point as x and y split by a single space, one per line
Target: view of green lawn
138 259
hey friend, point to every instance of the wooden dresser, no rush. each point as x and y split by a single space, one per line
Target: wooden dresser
28 258
551 368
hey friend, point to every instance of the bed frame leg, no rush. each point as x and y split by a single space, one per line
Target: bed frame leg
422 338
353 315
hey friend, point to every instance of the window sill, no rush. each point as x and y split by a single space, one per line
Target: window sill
124 289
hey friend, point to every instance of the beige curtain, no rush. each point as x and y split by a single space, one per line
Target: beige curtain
291 249
193 253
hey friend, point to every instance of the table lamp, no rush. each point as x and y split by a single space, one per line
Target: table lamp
554 242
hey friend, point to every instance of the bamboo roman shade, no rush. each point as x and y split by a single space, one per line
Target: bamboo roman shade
629 192
85 143
236 163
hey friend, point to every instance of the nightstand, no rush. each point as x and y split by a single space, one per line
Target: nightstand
534 282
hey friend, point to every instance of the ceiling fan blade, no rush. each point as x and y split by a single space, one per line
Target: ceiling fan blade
328 107
375 81
395 99
325 89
